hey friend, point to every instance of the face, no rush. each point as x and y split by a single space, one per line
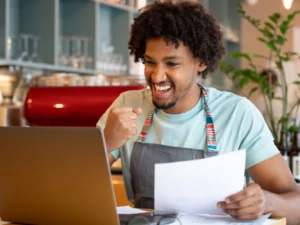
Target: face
172 75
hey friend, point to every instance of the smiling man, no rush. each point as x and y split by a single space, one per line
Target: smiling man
177 119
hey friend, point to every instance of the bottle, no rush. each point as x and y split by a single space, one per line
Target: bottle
283 147
294 156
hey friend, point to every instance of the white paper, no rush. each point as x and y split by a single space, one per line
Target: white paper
270 222
128 210
221 220
195 187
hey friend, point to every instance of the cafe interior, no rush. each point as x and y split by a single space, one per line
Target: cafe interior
63 62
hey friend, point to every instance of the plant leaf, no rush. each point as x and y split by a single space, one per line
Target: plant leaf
297 82
283 120
266 33
262 40
235 55
292 128
292 15
266 89
226 68
270 26
285 58
253 66
278 65
237 74
252 91
280 40
222 65
284 27
271 45
241 11
272 95
260 56
291 53
243 82
275 17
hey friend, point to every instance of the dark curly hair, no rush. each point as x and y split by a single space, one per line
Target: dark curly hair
184 21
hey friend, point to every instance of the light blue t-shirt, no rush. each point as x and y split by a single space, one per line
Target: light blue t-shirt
238 125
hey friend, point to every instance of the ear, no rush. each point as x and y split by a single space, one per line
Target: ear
201 67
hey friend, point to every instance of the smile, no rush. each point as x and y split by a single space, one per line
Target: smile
163 88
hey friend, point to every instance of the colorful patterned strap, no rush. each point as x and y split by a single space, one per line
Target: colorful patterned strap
147 123
210 129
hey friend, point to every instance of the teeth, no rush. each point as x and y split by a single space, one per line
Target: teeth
162 88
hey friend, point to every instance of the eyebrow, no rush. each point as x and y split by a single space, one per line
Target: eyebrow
166 58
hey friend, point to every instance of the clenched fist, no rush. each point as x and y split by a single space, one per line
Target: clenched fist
121 125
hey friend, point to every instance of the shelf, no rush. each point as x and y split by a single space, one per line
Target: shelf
77 20
113 33
2 28
117 6
105 25
45 66
32 18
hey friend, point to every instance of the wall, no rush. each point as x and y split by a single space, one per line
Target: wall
262 10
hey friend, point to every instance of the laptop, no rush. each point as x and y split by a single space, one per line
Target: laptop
55 176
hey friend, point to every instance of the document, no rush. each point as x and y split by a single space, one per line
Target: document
129 210
221 220
195 187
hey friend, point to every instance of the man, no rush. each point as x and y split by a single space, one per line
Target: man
177 119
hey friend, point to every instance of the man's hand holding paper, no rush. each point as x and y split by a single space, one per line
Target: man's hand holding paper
210 181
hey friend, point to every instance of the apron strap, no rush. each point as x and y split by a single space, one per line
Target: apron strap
147 123
210 129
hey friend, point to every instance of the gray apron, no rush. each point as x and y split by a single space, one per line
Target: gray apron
145 155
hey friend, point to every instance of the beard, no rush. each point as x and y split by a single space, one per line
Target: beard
171 103
164 105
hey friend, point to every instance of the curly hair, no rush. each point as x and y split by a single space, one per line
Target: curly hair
187 22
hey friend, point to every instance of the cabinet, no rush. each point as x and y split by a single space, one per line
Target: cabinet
85 36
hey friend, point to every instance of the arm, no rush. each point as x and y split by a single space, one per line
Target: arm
116 126
275 192
282 195
111 159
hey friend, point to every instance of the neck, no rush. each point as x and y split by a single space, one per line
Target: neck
186 102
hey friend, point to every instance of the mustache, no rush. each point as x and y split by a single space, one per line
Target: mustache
150 82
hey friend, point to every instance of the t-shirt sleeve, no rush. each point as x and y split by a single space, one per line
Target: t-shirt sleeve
256 136
102 121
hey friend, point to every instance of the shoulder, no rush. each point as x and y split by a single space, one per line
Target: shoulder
234 111
228 100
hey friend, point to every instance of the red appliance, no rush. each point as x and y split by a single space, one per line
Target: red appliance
70 106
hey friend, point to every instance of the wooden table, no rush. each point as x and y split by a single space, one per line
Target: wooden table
279 222
121 197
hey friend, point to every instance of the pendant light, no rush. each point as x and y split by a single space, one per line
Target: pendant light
287 3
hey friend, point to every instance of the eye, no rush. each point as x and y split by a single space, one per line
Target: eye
147 62
172 64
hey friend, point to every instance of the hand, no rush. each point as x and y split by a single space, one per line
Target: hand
121 125
247 204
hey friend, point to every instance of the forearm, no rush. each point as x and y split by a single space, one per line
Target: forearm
284 205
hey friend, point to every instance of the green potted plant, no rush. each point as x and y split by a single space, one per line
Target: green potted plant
273 36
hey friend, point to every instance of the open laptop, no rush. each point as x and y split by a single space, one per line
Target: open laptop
55 176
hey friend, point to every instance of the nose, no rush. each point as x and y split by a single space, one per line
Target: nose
158 75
